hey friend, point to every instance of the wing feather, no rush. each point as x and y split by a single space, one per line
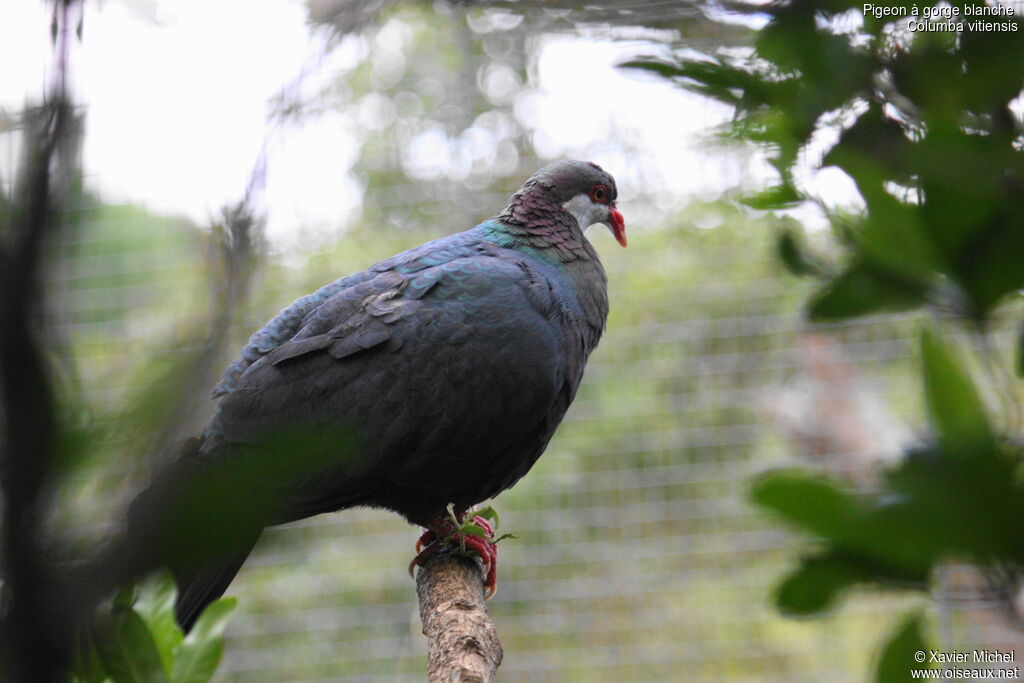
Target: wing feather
436 374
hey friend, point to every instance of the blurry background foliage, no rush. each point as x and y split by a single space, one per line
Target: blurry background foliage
639 556
138 639
928 126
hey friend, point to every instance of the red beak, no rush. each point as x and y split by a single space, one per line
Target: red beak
618 225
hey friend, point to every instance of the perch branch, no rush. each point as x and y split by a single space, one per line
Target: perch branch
462 643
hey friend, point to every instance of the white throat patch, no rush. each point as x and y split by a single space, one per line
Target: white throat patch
583 210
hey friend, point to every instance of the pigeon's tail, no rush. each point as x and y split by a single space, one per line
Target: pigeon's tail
186 522
200 587
200 518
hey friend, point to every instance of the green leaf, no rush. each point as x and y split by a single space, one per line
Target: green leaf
808 500
988 268
994 62
816 583
155 604
473 530
708 76
776 40
892 235
1020 352
87 667
956 410
778 197
902 652
957 507
794 255
973 211
196 659
127 649
875 144
862 289
893 238
655 65
929 77
125 597
490 514
831 68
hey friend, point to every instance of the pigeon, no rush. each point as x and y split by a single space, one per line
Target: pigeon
424 385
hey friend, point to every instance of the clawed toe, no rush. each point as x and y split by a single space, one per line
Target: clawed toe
426 546
463 539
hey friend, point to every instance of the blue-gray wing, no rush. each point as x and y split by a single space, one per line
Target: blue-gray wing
287 323
445 363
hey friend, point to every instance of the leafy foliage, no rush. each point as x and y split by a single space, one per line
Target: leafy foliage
50 590
139 640
921 114
925 126
900 649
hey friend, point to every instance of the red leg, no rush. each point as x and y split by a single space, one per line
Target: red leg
443 532
430 541
425 540
484 524
488 552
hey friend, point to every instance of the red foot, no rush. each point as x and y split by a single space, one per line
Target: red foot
443 533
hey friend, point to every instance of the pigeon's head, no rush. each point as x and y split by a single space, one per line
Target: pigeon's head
584 190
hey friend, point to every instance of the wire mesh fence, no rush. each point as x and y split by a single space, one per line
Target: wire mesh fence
639 556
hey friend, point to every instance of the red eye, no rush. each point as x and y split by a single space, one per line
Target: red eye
599 193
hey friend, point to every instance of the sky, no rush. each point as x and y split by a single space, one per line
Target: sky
167 83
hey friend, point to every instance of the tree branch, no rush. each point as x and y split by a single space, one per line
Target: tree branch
462 643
